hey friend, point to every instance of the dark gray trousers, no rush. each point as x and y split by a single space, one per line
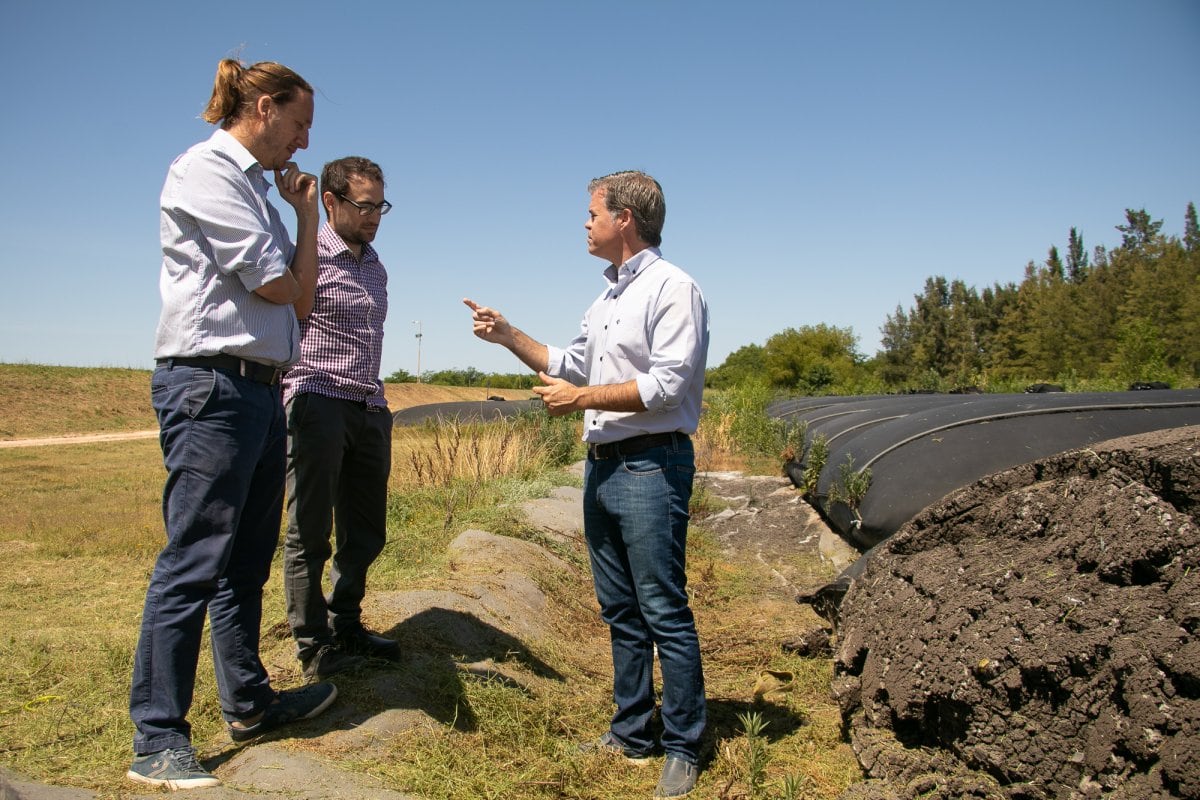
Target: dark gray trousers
339 457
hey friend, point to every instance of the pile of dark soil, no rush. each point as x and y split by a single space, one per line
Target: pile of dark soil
1036 634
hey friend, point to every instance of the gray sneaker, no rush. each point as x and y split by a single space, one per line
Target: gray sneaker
174 768
678 778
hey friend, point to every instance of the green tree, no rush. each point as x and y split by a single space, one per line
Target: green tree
930 322
1191 231
1054 265
811 359
741 365
1077 260
1139 231
401 376
895 364
1157 300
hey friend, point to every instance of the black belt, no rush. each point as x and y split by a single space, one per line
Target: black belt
635 444
253 370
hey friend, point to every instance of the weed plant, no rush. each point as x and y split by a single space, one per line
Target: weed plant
850 486
735 421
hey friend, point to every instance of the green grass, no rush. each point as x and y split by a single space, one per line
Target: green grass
80 526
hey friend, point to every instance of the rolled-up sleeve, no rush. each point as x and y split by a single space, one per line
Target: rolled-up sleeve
678 344
241 231
569 363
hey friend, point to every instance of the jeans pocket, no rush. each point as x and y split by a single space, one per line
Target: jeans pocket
200 388
643 463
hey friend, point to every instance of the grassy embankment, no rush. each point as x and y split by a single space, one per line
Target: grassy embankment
80 526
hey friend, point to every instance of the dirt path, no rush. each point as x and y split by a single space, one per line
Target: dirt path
83 438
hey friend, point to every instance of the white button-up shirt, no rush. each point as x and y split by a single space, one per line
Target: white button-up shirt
651 326
221 240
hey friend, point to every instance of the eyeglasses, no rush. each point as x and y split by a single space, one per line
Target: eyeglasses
366 209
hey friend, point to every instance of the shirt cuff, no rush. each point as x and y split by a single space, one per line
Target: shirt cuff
653 397
556 362
268 268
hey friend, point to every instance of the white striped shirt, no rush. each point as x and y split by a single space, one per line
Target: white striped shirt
650 325
221 240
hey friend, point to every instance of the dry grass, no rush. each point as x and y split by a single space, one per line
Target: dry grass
407 395
54 401
79 529
38 400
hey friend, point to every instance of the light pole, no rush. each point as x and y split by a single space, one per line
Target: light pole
417 322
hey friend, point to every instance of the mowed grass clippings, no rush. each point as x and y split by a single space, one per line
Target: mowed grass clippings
79 528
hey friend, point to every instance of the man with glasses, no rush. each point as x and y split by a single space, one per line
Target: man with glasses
339 432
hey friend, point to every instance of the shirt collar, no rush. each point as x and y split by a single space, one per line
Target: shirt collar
330 243
619 276
224 141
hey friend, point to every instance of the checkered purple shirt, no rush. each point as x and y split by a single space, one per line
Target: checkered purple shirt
341 342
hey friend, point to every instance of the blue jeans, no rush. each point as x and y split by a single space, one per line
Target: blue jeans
339 458
223 441
635 515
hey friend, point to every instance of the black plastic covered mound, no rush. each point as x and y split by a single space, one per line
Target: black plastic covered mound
920 448
467 411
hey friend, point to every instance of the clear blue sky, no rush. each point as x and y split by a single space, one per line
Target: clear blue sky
820 160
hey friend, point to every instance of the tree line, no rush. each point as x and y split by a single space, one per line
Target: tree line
1131 315
467 377
1099 319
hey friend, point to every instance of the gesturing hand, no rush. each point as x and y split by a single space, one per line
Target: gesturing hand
558 395
488 323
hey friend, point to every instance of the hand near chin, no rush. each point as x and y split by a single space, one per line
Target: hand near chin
298 188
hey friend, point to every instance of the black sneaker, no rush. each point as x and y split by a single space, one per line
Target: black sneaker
289 706
175 768
609 743
328 661
362 642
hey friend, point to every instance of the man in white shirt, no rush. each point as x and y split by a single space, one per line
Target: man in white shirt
233 284
636 370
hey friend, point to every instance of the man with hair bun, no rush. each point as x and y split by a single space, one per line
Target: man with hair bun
233 286
339 432
636 370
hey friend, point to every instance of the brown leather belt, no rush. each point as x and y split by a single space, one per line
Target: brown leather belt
261 373
635 444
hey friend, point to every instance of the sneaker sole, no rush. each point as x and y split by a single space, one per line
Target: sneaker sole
174 785
328 702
